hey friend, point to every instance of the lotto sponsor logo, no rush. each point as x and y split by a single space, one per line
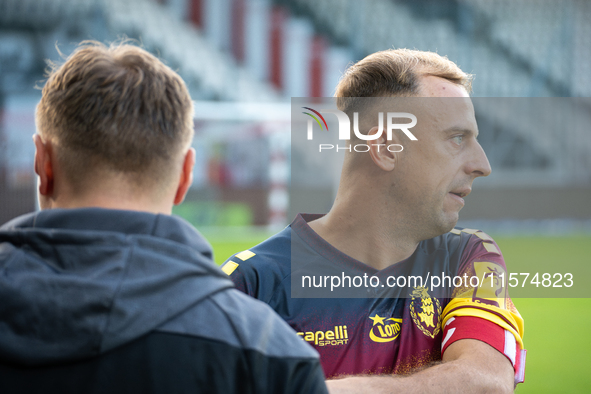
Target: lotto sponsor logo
384 329
338 336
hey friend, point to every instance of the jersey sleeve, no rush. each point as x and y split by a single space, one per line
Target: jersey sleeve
259 275
481 307
243 276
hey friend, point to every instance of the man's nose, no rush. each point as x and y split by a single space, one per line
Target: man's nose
478 164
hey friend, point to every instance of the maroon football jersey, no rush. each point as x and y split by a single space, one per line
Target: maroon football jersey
383 327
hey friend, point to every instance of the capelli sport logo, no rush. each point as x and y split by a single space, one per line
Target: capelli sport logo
345 129
338 336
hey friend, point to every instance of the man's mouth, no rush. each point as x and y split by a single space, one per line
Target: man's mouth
459 194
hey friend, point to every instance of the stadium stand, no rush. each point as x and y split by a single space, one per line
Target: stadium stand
215 72
549 37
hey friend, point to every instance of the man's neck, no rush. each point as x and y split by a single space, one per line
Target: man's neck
109 200
370 236
123 205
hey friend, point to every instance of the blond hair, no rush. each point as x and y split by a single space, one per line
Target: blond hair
395 72
116 108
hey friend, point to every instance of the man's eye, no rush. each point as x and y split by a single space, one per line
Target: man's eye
458 139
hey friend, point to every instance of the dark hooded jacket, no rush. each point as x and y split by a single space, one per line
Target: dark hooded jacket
107 301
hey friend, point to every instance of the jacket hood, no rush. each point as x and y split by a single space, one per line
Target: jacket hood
76 283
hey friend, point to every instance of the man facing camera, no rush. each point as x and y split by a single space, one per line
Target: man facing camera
390 240
103 290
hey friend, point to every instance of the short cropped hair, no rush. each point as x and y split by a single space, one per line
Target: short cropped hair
116 108
395 72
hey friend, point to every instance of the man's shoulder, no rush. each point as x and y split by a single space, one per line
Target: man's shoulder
475 241
471 232
272 255
242 322
460 248
262 326
461 239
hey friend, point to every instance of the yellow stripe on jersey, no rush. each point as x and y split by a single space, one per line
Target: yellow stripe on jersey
455 231
483 236
247 254
229 267
509 320
469 230
491 248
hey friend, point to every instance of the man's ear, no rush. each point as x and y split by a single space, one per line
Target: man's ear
44 165
186 177
378 150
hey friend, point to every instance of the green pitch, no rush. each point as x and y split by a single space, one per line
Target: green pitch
556 330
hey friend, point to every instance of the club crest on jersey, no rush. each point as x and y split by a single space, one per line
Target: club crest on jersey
425 311
384 329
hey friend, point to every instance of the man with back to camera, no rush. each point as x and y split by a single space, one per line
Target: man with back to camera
394 216
103 290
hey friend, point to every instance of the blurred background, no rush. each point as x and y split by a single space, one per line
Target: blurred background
243 60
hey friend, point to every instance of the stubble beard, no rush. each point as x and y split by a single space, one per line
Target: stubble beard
438 221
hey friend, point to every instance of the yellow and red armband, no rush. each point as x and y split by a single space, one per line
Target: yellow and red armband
499 328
